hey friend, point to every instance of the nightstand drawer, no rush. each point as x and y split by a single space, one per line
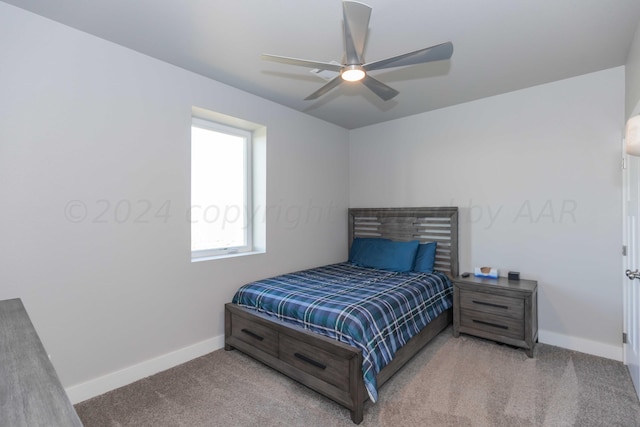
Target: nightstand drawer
492 304
500 325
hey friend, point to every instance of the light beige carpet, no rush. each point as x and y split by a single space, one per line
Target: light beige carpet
462 381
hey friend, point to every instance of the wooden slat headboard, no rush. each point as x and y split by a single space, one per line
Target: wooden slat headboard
439 224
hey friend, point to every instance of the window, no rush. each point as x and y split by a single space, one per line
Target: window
221 189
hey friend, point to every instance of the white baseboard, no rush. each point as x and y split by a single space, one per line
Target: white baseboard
582 345
97 386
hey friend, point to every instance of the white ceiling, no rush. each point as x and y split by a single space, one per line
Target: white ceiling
499 45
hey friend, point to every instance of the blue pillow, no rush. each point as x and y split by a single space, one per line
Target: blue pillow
384 254
425 258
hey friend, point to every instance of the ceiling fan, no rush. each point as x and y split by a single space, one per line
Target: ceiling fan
356 25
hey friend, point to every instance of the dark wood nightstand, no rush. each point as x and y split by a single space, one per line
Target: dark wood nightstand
497 309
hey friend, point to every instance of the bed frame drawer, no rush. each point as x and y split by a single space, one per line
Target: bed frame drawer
257 335
316 361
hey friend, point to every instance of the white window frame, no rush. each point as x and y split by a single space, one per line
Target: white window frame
247 135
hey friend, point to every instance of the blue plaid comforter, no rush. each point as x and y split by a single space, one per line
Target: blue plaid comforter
375 310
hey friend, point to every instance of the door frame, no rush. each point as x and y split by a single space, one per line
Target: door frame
630 259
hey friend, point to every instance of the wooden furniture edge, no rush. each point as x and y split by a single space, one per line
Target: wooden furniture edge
30 391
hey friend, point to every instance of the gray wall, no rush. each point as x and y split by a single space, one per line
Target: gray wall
537 176
88 128
632 74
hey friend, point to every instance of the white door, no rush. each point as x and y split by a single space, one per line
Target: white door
631 280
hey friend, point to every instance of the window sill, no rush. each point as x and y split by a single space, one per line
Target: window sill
215 257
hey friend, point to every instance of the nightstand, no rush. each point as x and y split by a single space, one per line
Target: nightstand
497 309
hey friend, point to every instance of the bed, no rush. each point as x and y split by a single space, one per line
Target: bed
335 361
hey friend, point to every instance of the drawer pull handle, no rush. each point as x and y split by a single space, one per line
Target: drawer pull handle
310 361
495 325
253 335
490 304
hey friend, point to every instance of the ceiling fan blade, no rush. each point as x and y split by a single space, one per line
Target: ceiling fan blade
433 53
356 24
303 62
324 89
382 90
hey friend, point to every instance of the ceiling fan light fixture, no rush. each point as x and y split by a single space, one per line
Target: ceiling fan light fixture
352 73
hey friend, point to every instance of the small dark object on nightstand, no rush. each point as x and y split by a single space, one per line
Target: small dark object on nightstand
514 275
464 275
